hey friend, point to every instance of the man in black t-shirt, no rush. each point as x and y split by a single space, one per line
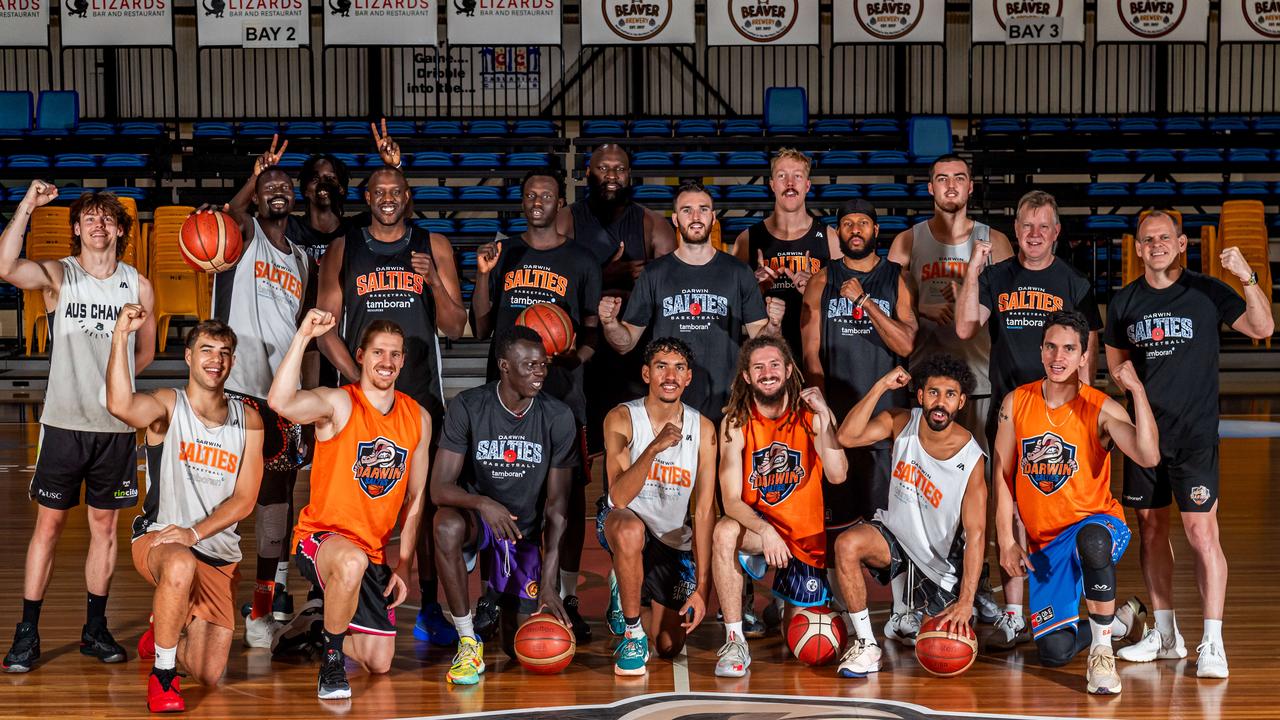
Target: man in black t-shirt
523 446
703 296
1167 322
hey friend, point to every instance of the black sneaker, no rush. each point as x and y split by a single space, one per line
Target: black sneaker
333 683
301 635
282 604
752 627
487 616
96 641
581 630
25 651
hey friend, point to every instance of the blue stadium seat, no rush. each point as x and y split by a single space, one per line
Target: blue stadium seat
513 192
829 220
1048 126
920 190
486 226
374 160
487 128
604 128
436 225
1183 123
1107 222
832 126
1108 189
1107 156
917 219
1249 188
891 224
57 112
651 128
351 160
349 128
1137 125
695 128
839 191
124 160
887 190
479 160
517 225
1267 123
929 136
1248 155
527 160
699 159
1192 222
1202 155
1201 188
715 191
838 158
879 126
534 128
1229 123
293 160
654 192
480 193
433 193
28 160
1000 126
74 160
1091 125
746 159
135 193
432 159
298 196
257 128
15 194
70 193
1155 155
1160 189
212 130
304 128
142 129
731 226
746 192
15 112
401 128
741 126
887 157
786 110
355 193
652 159
96 129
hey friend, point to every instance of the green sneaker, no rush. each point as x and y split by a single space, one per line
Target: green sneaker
468 663
633 653
614 618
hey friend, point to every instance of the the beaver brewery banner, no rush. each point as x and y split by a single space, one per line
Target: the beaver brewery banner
1250 20
1028 21
506 22
380 22
637 22
24 23
255 23
762 22
1153 20
106 23
902 21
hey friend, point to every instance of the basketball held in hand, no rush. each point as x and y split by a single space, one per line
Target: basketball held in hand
210 241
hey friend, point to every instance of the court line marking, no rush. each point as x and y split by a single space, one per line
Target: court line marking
680 671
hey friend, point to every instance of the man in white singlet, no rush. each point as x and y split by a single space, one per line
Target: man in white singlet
653 474
204 463
84 293
933 529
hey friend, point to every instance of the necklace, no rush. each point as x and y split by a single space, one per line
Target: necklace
1047 416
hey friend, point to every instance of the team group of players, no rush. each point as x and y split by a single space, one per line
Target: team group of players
772 368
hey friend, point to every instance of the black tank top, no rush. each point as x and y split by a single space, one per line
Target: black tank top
780 254
852 353
602 240
378 283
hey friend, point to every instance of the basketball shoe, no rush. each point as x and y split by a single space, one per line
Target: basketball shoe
333 684
860 659
1010 630
1154 646
1133 616
96 641
735 658
431 626
1212 661
903 627
614 618
163 691
1101 674
633 654
468 663
25 651
581 630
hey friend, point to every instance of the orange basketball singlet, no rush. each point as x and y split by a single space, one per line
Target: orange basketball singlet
782 480
1063 474
359 476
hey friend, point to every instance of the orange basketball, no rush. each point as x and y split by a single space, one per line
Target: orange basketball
543 645
816 635
552 323
942 654
210 241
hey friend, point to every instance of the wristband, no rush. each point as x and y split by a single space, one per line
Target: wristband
861 299
195 532
1253 279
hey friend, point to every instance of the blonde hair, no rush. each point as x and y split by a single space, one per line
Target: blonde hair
790 154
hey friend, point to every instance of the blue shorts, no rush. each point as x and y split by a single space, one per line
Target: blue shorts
1057 583
799 583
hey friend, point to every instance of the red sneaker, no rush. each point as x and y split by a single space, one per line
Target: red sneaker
147 645
163 693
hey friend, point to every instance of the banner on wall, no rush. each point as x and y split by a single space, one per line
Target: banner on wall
652 22
762 22
484 22
380 22
1020 21
256 23
1153 20
1250 20
903 21
24 23
105 23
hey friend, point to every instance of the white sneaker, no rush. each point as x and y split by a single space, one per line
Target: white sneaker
986 607
1101 673
1212 661
1133 616
903 627
860 659
1010 630
1152 646
735 658
261 632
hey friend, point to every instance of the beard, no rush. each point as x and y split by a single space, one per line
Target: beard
935 426
688 237
335 195
949 205
868 247
602 201
763 398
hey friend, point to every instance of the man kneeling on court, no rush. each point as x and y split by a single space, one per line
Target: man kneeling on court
370 468
204 465
523 446
937 510
660 454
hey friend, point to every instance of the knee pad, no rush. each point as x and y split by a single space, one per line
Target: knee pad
272 527
1058 647
1093 544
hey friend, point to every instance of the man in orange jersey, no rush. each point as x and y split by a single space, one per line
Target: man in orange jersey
1052 450
777 442
204 464
370 469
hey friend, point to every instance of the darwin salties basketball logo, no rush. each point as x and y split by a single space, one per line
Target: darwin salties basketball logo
695 309
1027 307
1152 19
1048 462
532 284
889 20
775 473
851 320
795 262
636 21
380 464
763 20
1160 334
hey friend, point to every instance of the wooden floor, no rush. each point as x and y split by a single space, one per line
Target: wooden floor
67 684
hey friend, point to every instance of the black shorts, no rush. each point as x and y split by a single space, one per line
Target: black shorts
924 593
374 614
669 574
282 446
864 491
107 464
1189 475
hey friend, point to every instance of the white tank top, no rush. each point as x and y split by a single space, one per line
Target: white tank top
663 502
925 497
933 266
193 471
82 324
261 299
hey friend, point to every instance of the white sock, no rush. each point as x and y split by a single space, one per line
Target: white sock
465 625
166 658
282 574
635 631
899 585
1119 629
1014 610
1212 632
732 630
568 583
1101 634
861 622
1166 624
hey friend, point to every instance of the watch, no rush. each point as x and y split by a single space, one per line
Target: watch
1253 279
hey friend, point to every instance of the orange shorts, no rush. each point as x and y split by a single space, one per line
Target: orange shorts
213 594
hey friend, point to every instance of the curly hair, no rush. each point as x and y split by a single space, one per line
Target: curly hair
944 365
668 345
107 204
738 409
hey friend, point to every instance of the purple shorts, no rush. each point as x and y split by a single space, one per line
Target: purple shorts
510 568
